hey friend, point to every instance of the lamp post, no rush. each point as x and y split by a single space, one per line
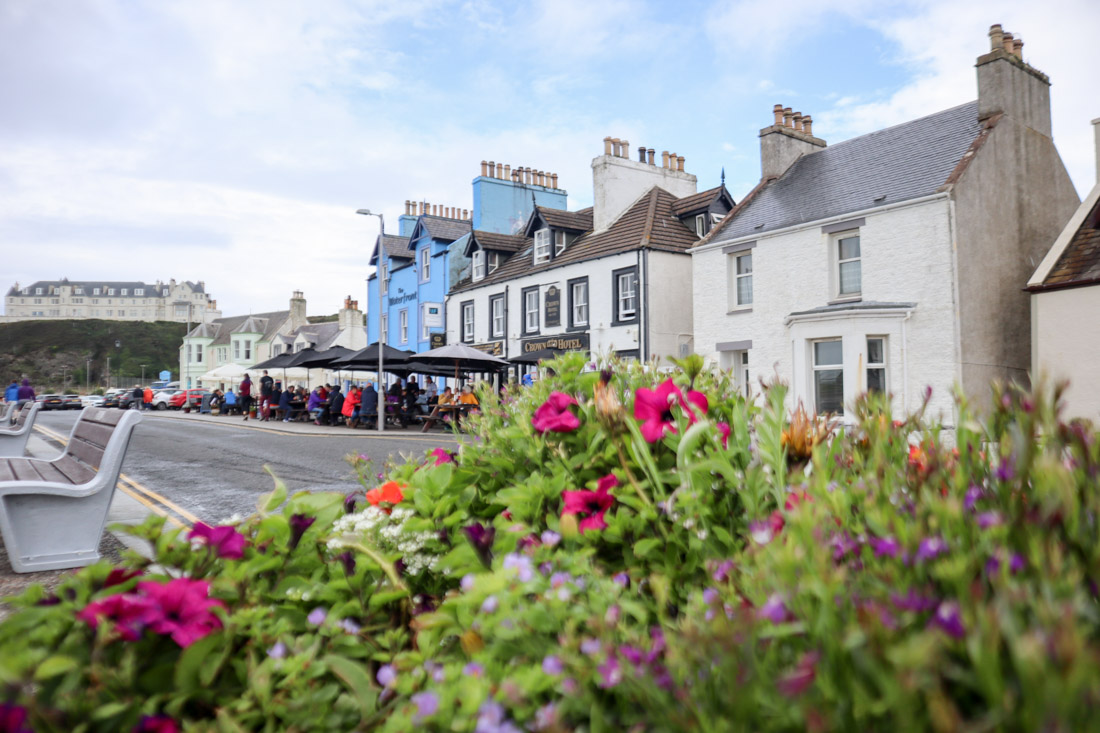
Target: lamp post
381 306
143 375
88 376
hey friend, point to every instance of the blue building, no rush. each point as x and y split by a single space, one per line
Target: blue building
426 257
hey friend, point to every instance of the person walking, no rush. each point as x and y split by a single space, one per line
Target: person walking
147 398
25 393
244 393
11 394
267 385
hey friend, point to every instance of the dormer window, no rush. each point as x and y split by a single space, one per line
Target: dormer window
38 291
139 291
125 291
559 243
96 291
479 264
700 224
494 261
542 246
78 291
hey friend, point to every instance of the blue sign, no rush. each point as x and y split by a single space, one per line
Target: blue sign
165 375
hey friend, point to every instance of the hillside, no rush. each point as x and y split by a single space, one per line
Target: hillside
54 354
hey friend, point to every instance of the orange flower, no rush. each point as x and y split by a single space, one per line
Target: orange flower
389 492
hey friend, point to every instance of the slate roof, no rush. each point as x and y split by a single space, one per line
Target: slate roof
321 335
648 223
443 229
151 289
700 201
221 328
252 324
577 221
498 242
1079 263
899 163
395 247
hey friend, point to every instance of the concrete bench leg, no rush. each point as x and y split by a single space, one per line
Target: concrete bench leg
44 532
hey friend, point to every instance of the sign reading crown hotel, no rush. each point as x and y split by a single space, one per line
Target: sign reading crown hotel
553 306
435 340
566 342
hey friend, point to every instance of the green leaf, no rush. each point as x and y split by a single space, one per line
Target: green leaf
644 547
191 660
271 502
355 676
53 666
110 710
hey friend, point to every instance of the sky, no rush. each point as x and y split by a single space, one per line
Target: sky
232 141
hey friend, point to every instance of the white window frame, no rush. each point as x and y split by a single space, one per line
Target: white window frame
198 353
188 353
542 246
121 313
139 292
839 263
125 291
531 314
38 291
425 264
467 323
236 349
493 260
627 295
741 276
384 324
478 261
700 224
383 279
579 304
248 349
403 325
496 310
882 366
424 333
559 242
78 291
816 368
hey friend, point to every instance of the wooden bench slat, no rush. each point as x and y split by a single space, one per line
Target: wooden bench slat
74 471
6 472
90 432
23 469
86 452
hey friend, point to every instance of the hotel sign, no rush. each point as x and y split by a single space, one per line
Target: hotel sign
492 348
553 306
565 342
435 340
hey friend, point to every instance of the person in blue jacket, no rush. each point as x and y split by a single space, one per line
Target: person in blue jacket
230 401
11 394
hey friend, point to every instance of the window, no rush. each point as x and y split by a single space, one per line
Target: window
531 310
385 279
139 291
110 291
95 301
78 291
198 353
494 261
38 301
849 275
559 243
110 313
385 327
743 278
497 323
38 291
542 246
248 349
424 321
78 300
578 302
125 291
121 313
479 264
701 224
468 322
188 353
165 292
236 349
743 373
828 377
425 264
876 364
625 285
403 325
96 291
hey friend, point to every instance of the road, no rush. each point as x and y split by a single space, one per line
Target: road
212 470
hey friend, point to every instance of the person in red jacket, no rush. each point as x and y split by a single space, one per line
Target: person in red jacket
245 395
350 410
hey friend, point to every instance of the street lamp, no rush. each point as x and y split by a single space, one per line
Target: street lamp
88 376
381 336
143 375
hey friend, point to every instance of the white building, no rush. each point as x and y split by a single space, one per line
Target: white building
611 278
1065 306
895 260
113 301
251 339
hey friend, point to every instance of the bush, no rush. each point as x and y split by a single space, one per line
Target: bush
624 551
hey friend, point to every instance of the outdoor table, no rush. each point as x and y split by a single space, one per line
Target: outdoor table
440 411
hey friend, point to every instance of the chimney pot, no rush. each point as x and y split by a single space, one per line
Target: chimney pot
507 172
492 169
664 159
530 175
483 171
542 178
651 153
423 207
554 180
797 117
500 170
996 37
641 154
625 148
615 146
777 110
1007 42
787 114
607 146
680 163
807 122
1018 48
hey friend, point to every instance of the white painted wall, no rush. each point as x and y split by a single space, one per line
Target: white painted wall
906 257
618 182
1066 342
670 304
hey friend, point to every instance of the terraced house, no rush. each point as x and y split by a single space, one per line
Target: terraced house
614 277
894 261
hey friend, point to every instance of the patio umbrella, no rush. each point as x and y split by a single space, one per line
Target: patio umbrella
461 356
276 362
230 372
367 358
326 358
534 357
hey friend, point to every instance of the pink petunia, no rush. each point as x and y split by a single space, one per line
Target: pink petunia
724 431
554 415
441 456
126 611
654 408
181 608
590 506
226 541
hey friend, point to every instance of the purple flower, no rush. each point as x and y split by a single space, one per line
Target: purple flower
947 618
722 572
278 651
225 540
350 503
1006 470
350 626
550 538
775 610
545 568
347 559
481 538
490 605
612 615
621 579
521 564
490 719
632 654
467 583
973 494
1016 563
590 647
317 616
710 595
761 532
147 724
387 675
799 679
885 546
427 703
13 718
559 579
473 669
843 544
546 717
610 673
931 547
552 665
913 601
299 523
437 671
989 519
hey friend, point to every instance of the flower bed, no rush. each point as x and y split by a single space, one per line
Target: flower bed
616 552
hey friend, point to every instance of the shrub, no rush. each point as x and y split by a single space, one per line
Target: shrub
616 551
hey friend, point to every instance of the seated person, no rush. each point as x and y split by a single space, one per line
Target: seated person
316 405
284 404
431 392
216 400
447 398
350 407
467 397
335 405
368 402
230 402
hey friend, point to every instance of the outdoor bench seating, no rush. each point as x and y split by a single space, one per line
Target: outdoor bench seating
52 512
7 415
13 438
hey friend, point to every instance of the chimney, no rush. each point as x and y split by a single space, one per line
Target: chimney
484 172
492 169
297 309
680 163
624 149
607 146
507 172
650 153
1008 85
618 181
554 181
500 170
783 142
641 154
664 159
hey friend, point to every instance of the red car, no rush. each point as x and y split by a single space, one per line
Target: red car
193 397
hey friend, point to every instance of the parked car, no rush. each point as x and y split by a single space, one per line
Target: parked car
164 385
126 399
91 400
110 399
193 398
163 400
50 401
72 402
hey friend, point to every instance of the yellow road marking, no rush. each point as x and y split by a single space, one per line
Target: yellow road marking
166 502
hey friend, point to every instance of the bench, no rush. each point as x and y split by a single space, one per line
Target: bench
52 512
7 414
13 438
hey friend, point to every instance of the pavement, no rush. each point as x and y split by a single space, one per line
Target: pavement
293 428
